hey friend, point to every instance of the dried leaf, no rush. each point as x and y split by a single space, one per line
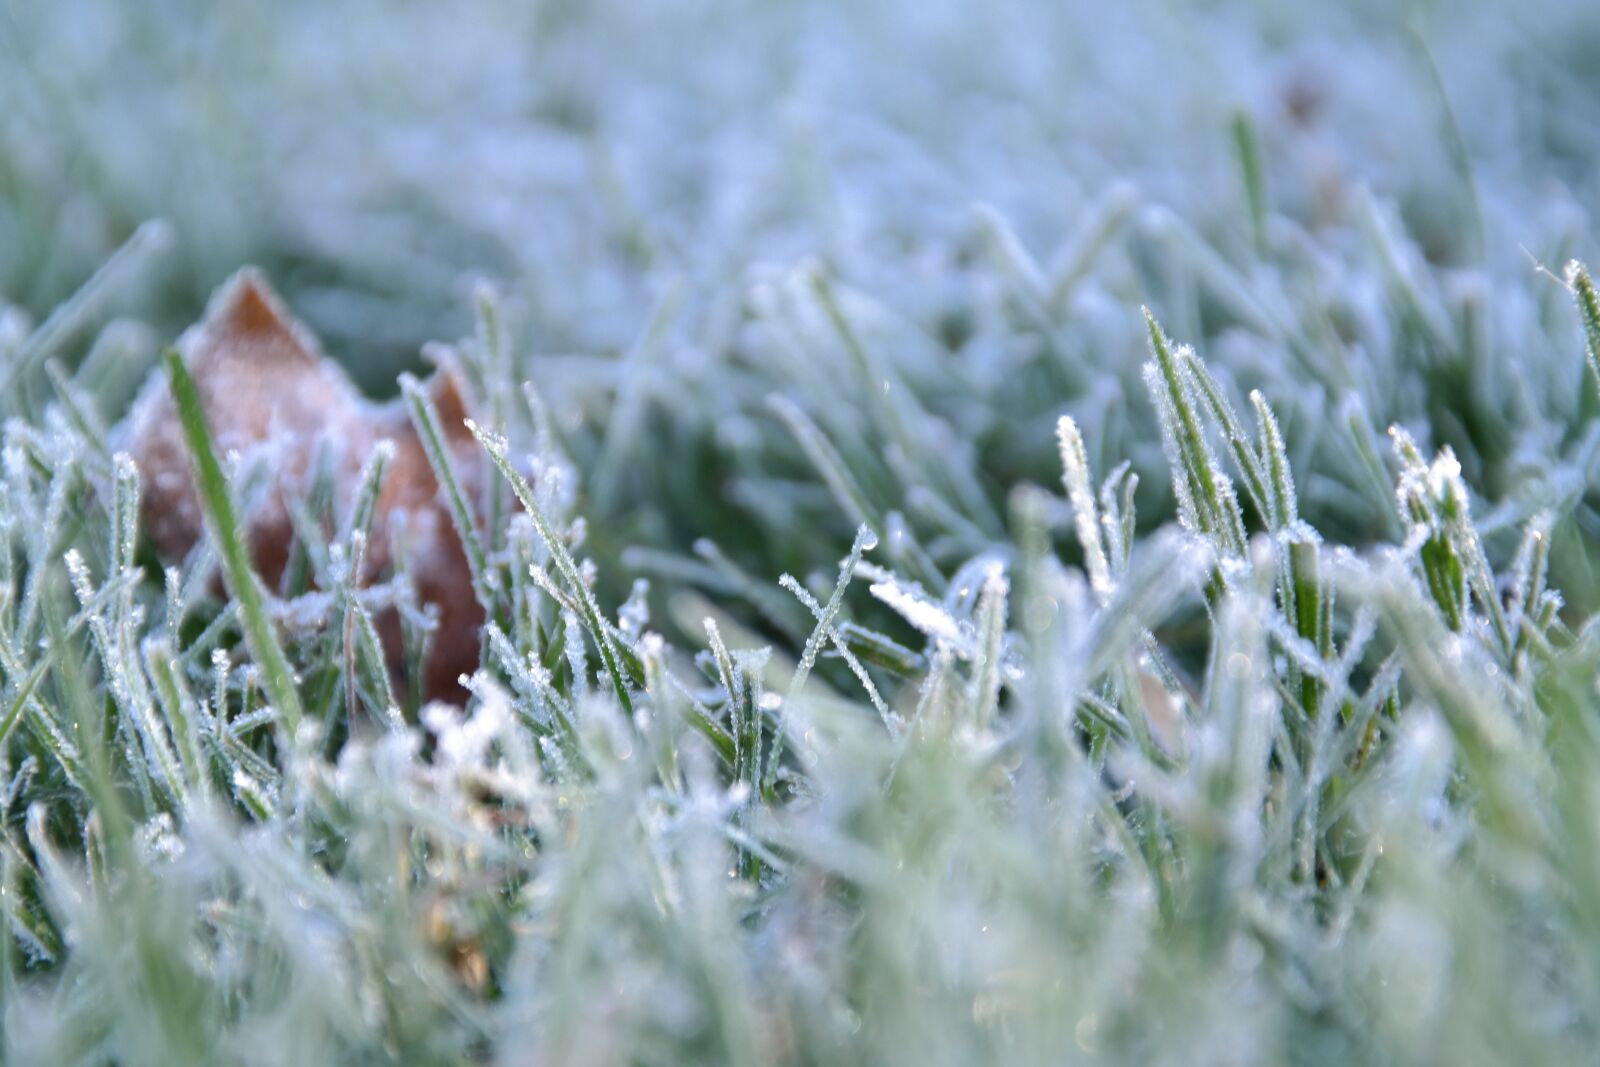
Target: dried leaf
272 397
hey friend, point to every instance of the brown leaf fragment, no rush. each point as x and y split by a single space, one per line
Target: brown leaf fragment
272 397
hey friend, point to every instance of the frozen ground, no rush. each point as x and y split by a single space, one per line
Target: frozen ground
778 270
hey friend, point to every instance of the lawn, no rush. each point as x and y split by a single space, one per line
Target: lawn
799 532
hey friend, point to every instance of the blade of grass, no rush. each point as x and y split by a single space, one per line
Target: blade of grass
425 417
276 675
496 447
1583 291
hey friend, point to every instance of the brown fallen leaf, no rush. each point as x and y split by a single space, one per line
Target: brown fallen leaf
271 395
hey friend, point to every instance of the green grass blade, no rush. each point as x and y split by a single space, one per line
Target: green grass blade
496 447
1248 146
425 417
1583 291
277 678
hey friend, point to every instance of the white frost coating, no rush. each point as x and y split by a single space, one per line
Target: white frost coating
1167 417
1444 474
925 615
633 877
464 741
987 676
825 630
1075 475
865 541
247 788
158 838
493 442
1277 458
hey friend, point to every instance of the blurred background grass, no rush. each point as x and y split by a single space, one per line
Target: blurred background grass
631 170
